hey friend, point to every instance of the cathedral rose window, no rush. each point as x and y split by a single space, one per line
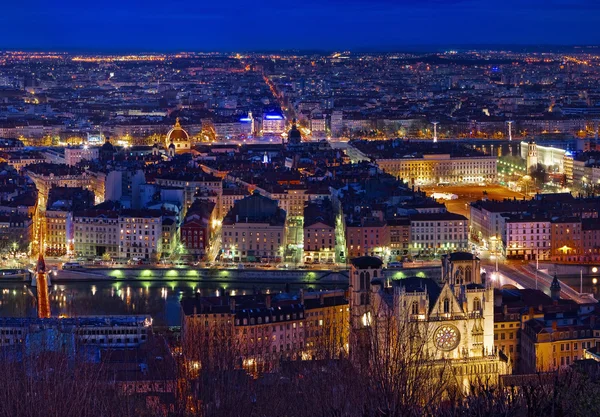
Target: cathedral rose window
446 337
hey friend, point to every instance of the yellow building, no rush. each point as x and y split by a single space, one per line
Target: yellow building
558 339
450 320
441 168
327 324
507 329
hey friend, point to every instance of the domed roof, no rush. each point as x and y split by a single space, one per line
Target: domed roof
107 146
294 136
177 134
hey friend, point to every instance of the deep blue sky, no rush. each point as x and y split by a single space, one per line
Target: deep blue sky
299 24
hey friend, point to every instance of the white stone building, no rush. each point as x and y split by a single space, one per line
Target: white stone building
140 234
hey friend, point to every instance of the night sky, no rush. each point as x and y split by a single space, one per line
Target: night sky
225 25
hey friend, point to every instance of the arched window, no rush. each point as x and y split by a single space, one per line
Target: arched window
458 276
415 308
477 305
446 305
364 284
468 274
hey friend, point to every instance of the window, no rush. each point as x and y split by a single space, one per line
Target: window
415 308
446 305
477 305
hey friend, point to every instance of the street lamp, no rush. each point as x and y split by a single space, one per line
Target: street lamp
526 179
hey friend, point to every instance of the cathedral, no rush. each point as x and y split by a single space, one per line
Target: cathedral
453 316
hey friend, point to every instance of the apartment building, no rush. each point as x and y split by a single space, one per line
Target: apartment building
319 232
254 230
435 233
140 234
96 233
528 237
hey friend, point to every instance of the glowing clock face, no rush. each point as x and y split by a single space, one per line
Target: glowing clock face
446 337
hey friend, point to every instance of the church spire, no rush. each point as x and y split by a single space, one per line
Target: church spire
555 288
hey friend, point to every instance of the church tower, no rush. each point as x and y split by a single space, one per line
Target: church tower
555 289
155 149
362 271
532 155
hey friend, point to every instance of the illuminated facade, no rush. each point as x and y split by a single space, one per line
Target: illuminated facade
442 168
254 229
140 234
273 124
566 240
369 236
532 155
400 237
74 155
507 329
319 232
179 138
435 233
19 161
528 238
256 332
56 239
557 339
545 155
96 233
456 314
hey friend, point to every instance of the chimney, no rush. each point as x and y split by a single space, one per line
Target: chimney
554 326
530 313
302 296
232 304
592 321
505 310
268 301
322 298
195 310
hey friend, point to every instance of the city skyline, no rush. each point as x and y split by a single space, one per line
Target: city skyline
341 226
355 25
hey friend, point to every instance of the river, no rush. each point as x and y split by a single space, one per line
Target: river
158 299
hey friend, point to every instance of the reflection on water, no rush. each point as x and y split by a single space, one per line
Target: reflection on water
591 284
159 299
500 150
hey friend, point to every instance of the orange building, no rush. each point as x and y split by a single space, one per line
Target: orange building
566 240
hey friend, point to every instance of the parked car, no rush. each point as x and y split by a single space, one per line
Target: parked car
72 265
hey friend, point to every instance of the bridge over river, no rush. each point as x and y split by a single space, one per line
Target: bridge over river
526 276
